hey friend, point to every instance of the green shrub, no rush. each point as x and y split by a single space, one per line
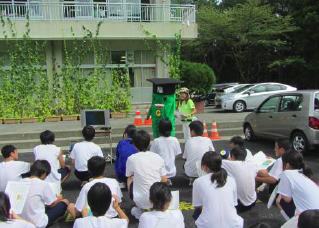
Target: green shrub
197 77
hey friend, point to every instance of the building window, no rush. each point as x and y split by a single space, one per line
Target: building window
118 57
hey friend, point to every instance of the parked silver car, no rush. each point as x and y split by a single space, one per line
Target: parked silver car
293 115
221 92
251 96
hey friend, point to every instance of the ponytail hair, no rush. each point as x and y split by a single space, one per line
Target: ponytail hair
213 161
295 160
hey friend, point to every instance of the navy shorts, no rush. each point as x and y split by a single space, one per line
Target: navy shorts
55 212
64 172
83 175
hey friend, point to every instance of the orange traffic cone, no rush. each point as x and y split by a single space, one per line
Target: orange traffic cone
214 133
205 134
138 119
149 120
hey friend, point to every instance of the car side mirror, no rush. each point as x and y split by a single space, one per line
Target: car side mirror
256 110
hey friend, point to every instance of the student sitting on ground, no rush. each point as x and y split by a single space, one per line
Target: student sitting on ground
96 166
297 191
8 219
215 196
143 169
42 207
124 149
99 199
167 147
244 173
53 154
273 176
195 148
239 141
160 216
83 151
309 219
10 168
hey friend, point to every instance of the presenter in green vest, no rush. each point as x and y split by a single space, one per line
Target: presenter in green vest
186 111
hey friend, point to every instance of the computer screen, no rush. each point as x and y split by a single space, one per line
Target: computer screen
95 117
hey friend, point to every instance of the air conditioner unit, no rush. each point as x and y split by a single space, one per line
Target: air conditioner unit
130 57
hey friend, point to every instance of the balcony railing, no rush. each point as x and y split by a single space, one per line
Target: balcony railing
131 12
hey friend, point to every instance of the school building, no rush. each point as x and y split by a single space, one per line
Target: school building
121 32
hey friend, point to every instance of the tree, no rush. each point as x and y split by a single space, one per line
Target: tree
249 36
197 77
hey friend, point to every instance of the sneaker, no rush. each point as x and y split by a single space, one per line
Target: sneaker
122 185
169 182
136 212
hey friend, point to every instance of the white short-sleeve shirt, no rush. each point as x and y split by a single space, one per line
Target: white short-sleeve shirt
39 195
16 223
168 148
158 219
50 153
276 169
244 173
11 171
147 168
218 204
249 155
303 191
82 152
195 148
111 183
100 222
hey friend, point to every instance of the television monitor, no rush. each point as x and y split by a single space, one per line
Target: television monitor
99 119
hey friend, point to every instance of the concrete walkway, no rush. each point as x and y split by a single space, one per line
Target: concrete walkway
208 116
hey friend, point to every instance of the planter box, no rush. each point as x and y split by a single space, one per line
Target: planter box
30 120
53 119
70 118
199 105
118 115
11 121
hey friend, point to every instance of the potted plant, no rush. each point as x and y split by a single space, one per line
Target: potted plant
52 119
199 79
69 117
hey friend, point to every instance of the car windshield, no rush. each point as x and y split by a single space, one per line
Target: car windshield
241 89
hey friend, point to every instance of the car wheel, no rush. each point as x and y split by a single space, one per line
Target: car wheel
300 142
239 106
206 103
249 133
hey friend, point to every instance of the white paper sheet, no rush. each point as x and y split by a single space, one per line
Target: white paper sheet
174 205
17 192
261 161
272 197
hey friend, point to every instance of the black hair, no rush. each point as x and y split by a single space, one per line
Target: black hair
197 127
141 139
284 143
165 127
239 153
47 137
160 194
96 166
129 130
7 150
40 167
260 225
88 133
99 199
309 219
237 140
213 161
4 207
295 160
